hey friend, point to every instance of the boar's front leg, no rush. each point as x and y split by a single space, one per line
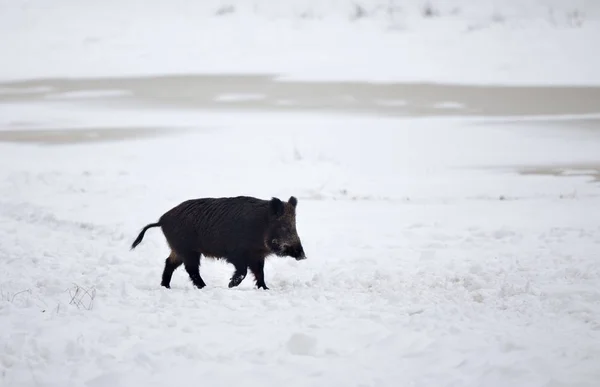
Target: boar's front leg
241 269
257 266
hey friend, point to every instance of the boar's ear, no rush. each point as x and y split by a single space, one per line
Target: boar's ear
276 207
293 201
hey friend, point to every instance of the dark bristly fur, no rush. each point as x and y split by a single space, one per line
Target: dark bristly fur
243 230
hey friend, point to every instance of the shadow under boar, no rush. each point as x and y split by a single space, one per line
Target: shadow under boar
242 230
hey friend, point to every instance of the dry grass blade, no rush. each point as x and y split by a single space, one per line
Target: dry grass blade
7 296
82 297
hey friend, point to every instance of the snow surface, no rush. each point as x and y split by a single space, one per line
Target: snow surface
431 261
456 41
424 266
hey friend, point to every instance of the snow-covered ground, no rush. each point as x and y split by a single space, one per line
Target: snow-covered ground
431 260
425 268
456 41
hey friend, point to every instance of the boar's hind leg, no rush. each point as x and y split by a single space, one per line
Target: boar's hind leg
191 261
171 264
241 269
257 266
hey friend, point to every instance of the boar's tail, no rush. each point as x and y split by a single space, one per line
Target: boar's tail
138 240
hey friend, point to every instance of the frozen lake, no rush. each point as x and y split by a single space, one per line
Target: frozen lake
268 93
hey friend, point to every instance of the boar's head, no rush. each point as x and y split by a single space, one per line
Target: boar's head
282 238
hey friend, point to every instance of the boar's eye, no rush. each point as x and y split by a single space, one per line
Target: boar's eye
274 241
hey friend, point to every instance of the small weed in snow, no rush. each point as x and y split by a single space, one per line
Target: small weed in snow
225 10
81 297
10 297
430 11
359 12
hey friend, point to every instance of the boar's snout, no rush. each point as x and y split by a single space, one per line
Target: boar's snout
294 250
297 253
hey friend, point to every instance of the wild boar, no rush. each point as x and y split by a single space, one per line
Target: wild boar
242 230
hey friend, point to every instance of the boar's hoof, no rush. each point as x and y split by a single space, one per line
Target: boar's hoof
198 283
236 280
263 286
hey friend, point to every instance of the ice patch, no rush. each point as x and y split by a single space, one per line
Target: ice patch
239 97
391 102
285 102
448 105
88 94
25 90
